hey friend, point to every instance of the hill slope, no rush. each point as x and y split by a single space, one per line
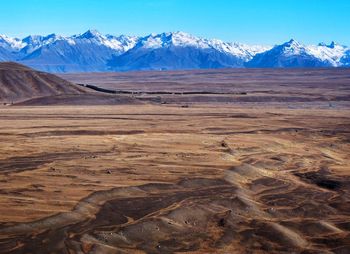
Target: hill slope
19 83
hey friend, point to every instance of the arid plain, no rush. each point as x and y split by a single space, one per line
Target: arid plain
231 161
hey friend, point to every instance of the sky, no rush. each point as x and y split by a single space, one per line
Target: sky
246 21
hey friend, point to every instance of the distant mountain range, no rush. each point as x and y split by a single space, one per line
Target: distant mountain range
94 52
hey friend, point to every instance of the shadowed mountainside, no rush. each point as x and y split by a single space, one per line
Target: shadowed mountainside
19 83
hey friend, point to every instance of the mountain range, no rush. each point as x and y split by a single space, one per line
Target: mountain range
94 52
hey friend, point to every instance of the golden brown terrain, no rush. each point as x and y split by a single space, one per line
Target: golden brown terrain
168 179
171 178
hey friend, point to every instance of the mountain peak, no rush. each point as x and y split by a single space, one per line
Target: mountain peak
89 34
168 39
12 44
4 37
181 38
180 34
32 38
292 43
171 35
333 45
53 35
92 51
33 42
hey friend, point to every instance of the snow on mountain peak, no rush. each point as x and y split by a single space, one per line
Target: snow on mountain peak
182 39
32 39
11 44
331 53
292 47
89 34
292 44
33 42
177 39
105 46
119 43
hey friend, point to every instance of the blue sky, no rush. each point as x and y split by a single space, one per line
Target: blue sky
248 21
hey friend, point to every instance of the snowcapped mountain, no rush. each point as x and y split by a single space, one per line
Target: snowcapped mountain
93 51
8 47
295 54
120 44
331 53
34 42
79 53
10 44
179 50
54 53
289 54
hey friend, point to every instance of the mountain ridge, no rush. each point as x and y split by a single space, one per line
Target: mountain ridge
19 83
95 52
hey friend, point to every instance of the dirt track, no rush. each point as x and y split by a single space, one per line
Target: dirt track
166 179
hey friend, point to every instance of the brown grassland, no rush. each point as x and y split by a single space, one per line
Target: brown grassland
264 169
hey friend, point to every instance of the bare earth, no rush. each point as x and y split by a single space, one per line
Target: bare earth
261 176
